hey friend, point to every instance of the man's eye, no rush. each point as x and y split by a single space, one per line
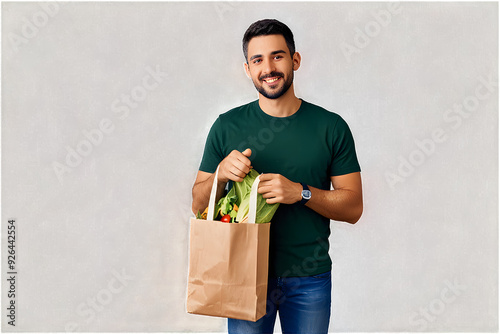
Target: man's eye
256 61
277 57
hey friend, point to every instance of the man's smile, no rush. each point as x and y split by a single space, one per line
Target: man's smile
272 80
274 84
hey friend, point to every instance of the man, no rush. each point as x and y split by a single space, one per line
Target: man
301 149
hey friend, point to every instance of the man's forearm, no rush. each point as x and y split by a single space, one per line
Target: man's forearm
201 193
341 205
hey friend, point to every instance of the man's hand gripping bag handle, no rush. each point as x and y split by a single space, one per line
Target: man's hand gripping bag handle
252 209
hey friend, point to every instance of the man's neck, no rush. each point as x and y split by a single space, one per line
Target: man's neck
285 105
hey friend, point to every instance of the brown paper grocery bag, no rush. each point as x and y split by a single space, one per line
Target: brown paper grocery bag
228 265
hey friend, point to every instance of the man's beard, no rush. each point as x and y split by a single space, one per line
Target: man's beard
275 93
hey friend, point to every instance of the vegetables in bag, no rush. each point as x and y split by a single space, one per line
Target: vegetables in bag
237 203
264 211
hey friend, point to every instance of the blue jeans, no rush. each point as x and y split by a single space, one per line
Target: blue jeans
303 304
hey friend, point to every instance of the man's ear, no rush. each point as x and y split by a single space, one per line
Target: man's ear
247 70
296 61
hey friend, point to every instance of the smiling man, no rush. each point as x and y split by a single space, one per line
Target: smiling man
271 85
303 150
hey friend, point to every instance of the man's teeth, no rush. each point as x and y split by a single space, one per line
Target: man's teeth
271 80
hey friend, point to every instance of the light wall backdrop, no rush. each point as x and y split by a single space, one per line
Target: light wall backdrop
105 110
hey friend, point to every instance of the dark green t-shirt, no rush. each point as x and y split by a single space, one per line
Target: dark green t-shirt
309 146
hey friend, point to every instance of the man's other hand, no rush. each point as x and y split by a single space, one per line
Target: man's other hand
276 188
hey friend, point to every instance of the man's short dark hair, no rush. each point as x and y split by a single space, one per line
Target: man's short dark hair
268 27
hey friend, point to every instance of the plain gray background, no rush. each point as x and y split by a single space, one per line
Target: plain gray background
104 245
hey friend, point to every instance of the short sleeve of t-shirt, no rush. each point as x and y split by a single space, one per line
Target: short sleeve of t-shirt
344 158
212 155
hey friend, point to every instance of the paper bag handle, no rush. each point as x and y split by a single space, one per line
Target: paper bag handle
213 195
252 207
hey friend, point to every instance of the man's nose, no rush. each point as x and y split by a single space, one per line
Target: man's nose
269 66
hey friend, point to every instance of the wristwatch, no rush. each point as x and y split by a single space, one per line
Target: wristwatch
306 193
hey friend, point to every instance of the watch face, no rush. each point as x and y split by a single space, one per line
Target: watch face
306 194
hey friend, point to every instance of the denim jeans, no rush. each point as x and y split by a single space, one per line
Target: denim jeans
303 304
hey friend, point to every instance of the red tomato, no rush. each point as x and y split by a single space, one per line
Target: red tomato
226 219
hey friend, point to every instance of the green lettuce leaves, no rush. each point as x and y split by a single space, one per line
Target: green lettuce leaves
240 195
